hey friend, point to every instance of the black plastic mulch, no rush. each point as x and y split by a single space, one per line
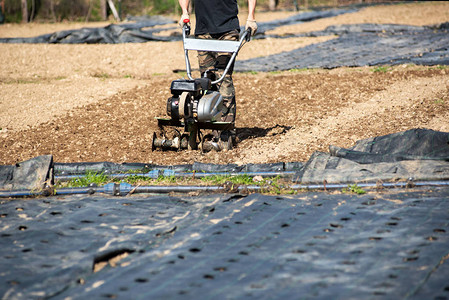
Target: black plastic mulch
362 45
356 45
386 245
111 34
412 155
138 31
300 18
415 154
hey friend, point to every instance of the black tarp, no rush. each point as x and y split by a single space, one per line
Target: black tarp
303 17
356 45
32 174
137 33
111 34
362 45
385 245
417 154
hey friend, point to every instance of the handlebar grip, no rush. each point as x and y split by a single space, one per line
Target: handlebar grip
248 34
186 26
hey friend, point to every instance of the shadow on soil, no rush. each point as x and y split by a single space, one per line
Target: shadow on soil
256 132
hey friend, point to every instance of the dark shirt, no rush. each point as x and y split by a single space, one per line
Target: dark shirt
216 16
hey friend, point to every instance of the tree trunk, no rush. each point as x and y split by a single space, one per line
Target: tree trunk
2 11
272 4
104 12
33 10
24 11
89 11
52 10
295 2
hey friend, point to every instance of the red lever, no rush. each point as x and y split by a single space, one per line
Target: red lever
186 21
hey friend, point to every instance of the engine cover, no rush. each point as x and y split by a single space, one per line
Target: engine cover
210 107
173 107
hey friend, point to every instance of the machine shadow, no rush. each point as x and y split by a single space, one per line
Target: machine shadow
245 133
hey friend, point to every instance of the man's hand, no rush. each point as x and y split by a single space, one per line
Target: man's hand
251 24
184 17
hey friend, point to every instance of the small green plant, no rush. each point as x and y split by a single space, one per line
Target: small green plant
90 178
102 75
183 74
439 101
166 179
275 72
26 81
354 188
133 179
275 186
299 70
381 69
269 185
221 179
128 76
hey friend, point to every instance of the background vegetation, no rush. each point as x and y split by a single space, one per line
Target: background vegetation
96 10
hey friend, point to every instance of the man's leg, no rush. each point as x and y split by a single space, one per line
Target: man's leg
219 61
206 60
227 89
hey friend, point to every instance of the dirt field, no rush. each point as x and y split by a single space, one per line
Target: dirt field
98 102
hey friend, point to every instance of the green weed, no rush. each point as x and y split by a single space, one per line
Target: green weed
182 74
90 178
354 188
221 179
166 179
133 179
275 186
299 70
271 185
252 72
102 75
381 69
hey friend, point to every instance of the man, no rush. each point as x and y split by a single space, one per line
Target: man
217 19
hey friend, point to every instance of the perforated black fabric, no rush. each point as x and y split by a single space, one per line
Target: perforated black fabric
311 245
361 45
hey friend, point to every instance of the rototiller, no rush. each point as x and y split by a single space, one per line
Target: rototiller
196 104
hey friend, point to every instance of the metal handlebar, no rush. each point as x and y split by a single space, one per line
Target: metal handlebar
245 37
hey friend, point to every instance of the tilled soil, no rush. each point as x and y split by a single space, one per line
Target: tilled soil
98 102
